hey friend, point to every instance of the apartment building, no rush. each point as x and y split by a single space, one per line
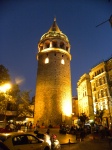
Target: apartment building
85 101
101 85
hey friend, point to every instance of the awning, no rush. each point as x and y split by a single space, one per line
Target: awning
20 118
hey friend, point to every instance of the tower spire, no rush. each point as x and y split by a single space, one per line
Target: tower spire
54 26
55 19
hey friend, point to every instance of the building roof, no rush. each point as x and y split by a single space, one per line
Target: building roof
54 32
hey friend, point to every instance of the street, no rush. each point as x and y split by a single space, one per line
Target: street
68 141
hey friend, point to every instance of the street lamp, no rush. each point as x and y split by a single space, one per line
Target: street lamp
4 88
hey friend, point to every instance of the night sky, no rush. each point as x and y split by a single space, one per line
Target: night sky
23 22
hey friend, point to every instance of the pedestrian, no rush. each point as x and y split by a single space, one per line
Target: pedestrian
82 134
48 131
12 126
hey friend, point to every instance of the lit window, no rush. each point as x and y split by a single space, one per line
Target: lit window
62 61
102 94
47 60
100 81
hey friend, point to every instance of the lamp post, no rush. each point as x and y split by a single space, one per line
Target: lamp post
3 89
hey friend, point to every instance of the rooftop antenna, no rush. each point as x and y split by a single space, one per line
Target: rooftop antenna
110 20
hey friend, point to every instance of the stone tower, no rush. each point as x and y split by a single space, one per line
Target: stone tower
53 97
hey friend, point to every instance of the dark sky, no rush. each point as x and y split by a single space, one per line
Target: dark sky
23 22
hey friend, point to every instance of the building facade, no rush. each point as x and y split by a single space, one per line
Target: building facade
53 97
101 84
85 101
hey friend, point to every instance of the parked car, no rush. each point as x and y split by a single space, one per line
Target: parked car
22 141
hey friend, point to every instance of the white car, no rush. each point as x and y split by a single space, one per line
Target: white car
23 141
51 140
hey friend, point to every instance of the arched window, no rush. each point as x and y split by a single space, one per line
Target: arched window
62 45
62 61
47 44
47 60
54 44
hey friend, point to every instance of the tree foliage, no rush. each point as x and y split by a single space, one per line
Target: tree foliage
99 114
83 118
4 75
24 108
14 99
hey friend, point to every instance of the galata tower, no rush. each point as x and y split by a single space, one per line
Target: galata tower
53 97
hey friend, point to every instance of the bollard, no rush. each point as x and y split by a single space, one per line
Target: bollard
69 141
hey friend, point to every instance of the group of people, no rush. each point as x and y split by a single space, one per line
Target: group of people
82 131
18 126
101 131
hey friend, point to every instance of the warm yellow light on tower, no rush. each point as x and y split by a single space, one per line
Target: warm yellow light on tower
67 109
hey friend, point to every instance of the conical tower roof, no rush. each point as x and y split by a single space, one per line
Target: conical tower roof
54 27
54 32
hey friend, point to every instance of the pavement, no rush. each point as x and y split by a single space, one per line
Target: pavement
88 144
69 142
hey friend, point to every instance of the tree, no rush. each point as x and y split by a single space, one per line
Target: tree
13 99
24 109
4 75
4 78
83 118
99 115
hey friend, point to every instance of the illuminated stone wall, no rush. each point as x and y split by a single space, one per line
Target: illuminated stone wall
53 88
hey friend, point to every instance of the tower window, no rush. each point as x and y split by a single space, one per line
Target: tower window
62 45
62 61
54 44
47 60
47 44
67 48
